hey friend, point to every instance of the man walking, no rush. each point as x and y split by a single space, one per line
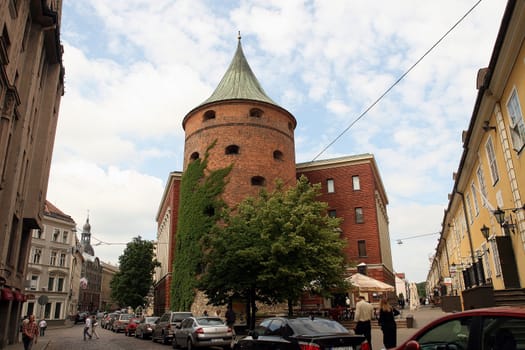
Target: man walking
364 313
87 327
29 332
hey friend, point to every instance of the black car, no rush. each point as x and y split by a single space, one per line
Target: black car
311 333
81 317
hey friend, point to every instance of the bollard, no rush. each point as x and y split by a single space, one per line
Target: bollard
410 321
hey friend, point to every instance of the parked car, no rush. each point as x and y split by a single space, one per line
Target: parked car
145 327
302 333
489 328
202 331
110 318
80 317
120 322
165 325
131 327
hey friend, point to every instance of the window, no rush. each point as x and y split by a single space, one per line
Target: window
469 207
474 198
482 186
332 213
209 115
37 254
516 122
62 260
503 332
258 181
359 216
232 149
58 307
56 233
47 311
60 286
456 332
53 258
330 186
30 307
194 156
361 248
50 284
256 112
491 156
277 155
355 183
34 282
65 236
38 234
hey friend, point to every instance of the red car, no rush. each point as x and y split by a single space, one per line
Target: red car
497 328
131 327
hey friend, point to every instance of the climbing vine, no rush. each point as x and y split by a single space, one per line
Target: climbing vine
199 209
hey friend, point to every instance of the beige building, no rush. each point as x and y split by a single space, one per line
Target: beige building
480 257
50 265
31 86
108 271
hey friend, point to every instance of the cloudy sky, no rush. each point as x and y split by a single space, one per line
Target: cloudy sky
134 68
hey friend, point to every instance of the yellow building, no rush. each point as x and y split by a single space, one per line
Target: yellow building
481 251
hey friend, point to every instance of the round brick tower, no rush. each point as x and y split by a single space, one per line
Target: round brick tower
251 132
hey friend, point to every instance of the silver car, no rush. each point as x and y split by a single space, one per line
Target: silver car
202 332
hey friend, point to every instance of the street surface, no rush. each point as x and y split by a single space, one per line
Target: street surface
70 338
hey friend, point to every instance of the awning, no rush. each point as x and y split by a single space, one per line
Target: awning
369 284
7 294
18 296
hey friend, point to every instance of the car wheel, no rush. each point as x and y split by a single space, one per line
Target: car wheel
174 343
165 339
189 345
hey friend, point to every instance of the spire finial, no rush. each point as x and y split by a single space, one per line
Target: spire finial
239 35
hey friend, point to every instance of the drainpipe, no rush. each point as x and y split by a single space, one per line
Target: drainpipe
469 236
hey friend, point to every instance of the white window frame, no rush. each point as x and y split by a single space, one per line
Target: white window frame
62 260
474 198
516 122
482 186
56 234
491 157
356 184
330 186
36 255
53 258
469 208
65 237
34 282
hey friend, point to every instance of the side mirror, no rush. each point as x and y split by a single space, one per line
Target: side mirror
412 345
253 334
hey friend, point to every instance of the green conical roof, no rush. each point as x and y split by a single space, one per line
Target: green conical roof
239 82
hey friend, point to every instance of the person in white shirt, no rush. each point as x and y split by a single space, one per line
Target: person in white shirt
364 313
87 327
42 325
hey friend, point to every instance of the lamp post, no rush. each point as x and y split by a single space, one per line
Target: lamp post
507 226
485 231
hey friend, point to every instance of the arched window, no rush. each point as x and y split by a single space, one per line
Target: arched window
210 114
256 112
194 156
232 149
258 181
278 155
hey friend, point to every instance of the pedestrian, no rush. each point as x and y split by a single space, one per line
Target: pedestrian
388 323
94 325
230 317
43 326
364 313
218 312
29 332
87 327
205 313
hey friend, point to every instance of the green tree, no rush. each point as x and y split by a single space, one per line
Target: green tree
132 282
199 209
273 248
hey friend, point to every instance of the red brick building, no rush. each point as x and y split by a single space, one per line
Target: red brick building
256 135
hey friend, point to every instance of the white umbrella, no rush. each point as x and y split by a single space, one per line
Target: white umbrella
369 284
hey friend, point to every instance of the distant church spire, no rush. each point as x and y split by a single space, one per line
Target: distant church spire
85 239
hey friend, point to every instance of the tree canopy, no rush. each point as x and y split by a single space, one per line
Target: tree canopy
131 284
273 248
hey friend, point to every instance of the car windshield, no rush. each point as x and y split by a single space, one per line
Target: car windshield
181 316
208 321
315 326
126 316
150 319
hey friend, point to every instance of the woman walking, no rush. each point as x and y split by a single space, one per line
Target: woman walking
388 323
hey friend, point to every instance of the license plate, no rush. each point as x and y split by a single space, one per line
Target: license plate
215 340
343 348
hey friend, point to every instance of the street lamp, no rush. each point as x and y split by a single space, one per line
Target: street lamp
485 231
502 220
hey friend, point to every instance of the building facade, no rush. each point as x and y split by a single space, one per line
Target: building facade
482 243
48 283
252 132
106 302
90 274
31 86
